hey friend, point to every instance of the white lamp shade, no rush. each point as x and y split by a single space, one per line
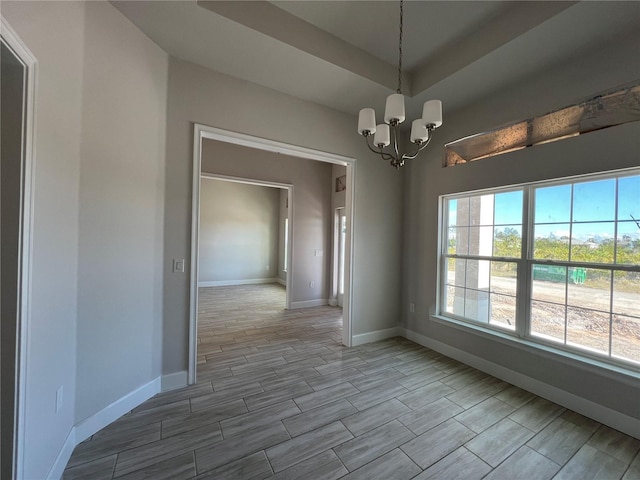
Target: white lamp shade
432 113
419 132
367 121
394 109
382 138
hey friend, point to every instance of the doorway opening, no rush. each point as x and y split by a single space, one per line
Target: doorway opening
202 133
17 123
244 232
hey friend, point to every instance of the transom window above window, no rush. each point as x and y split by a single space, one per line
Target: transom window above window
554 262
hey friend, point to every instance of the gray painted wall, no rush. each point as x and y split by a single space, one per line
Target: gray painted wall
200 95
238 231
617 147
311 218
52 359
121 210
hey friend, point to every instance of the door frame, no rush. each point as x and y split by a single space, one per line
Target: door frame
282 186
335 258
19 48
202 132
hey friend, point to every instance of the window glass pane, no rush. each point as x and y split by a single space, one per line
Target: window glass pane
629 198
480 210
551 242
626 293
549 283
455 300
592 242
588 329
478 272
481 241
628 243
453 210
462 212
625 338
594 201
504 276
476 305
503 311
547 320
508 208
458 241
507 241
456 270
589 288
552 204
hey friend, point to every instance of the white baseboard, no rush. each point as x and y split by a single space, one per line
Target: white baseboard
600 413
310 303
333 302
375 336
111 413
226 283
281 282
90 425
63 456
173 381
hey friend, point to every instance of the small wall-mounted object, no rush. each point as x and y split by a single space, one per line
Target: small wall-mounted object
178 265
341 183
602 111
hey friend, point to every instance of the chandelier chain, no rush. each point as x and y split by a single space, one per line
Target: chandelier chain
400 51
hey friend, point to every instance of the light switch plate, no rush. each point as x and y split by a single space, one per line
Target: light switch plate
178 265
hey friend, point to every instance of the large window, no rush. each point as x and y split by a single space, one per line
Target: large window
553 262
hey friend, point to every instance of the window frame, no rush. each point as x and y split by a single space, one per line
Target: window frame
524 265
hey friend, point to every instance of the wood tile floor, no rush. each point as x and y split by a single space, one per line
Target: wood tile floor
279 397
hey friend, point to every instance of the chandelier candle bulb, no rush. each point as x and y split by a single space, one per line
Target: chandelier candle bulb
381 138
432 113
394 109
367 121
419 132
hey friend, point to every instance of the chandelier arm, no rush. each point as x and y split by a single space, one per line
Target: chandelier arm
385 156
366 140
396 132
420 148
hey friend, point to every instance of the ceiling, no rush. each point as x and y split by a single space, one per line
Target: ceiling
343 54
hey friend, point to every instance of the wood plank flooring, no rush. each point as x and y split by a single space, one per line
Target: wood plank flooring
279 397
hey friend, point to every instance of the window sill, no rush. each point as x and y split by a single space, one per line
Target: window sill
629 375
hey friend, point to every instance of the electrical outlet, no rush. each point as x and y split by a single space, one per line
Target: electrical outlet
412 308
319 253
59 398
267 268
312 284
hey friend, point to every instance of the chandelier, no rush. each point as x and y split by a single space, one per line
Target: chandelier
421 128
